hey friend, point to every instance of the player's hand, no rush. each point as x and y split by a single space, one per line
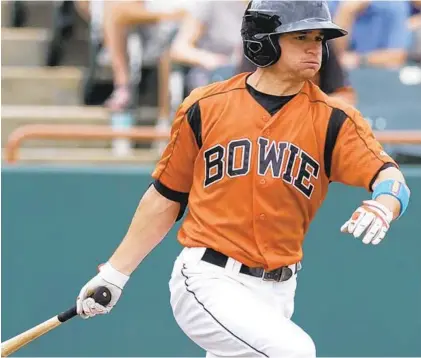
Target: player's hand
108 277
371 221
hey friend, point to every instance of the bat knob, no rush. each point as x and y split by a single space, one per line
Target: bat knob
101 295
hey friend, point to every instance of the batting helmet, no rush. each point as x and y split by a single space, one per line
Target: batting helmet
265 20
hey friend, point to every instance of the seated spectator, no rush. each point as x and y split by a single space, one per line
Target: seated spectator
118 17
332 79
378 35
414 21
209 41
414 25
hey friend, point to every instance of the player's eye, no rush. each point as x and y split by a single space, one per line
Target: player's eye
301 37
319 38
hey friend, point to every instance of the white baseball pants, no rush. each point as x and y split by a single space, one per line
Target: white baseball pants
230 314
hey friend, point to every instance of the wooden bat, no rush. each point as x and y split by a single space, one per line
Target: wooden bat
101 295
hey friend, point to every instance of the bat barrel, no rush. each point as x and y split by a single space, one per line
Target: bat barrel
12 345
101 295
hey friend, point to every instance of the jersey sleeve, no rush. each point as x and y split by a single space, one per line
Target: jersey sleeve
175 168
358 157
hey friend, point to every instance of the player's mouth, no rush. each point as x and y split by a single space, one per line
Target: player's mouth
311 65
311 62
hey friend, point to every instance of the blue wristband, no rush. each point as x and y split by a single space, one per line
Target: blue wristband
396 189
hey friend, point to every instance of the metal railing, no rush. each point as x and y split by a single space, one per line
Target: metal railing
69 132
144 133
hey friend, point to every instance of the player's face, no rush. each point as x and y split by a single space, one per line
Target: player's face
301 53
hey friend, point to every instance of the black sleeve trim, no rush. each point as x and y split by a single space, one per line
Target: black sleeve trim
195 121
169 193
336 121
173 195
383 167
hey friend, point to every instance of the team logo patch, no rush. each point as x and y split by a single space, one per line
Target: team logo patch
396 187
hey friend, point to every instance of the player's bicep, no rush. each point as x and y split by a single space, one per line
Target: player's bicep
174 170
357 157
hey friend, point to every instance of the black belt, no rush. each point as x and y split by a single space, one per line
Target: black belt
280 274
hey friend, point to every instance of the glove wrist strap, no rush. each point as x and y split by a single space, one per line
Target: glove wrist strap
380 208
111 275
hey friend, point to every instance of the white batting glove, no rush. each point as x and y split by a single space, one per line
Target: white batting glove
109 277
371 219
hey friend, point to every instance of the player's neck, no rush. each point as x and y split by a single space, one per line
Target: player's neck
274 83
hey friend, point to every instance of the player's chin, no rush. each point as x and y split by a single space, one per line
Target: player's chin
308 73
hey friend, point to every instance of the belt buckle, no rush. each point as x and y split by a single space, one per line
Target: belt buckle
278 275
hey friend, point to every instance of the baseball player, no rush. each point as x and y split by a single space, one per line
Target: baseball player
252 157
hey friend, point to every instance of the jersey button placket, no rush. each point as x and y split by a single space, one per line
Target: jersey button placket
266 120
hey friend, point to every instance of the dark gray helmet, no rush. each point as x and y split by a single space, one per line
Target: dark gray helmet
265 19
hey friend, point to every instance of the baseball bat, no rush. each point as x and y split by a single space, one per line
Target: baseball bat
101 295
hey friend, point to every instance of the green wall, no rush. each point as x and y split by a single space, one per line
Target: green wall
58 224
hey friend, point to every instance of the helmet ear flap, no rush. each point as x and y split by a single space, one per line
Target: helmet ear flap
262 52
260 48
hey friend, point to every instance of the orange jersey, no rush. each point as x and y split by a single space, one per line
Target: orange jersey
255 181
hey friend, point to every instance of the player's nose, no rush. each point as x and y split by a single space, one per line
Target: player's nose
314 48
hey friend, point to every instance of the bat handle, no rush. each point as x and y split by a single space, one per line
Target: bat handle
101 295
66 315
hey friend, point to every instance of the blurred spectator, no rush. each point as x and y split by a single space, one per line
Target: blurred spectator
82 7
414 22
118 17
209 41
332 79
378 32
414 25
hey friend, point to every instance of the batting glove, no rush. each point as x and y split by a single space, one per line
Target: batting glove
371 221
109 277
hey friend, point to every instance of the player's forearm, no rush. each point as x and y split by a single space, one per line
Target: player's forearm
389 201
152 221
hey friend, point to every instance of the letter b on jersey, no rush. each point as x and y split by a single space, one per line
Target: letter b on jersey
238 161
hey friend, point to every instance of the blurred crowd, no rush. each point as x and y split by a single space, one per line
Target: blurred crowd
204 36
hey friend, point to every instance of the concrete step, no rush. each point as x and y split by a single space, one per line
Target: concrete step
40 16
41 85
16 116
52 86
24 46
37 13
30 47
84 156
